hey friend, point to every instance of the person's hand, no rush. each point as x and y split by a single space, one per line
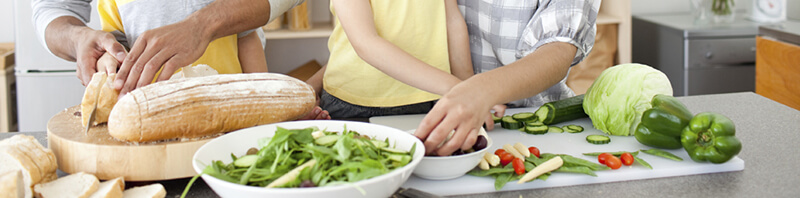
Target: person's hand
461 110
499 111
108 63
167 48
90 45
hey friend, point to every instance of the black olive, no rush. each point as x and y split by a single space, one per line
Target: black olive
252 151
307 184
480 143
458 152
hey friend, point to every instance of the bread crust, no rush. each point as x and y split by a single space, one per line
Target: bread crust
204 106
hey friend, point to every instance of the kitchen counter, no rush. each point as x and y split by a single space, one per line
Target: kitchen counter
769 132
787 31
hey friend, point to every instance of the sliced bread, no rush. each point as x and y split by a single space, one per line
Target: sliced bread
11 185
11 159
150 191
42 157
78 185
110 189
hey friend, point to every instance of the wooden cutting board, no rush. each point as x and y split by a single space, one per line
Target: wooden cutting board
564 143
100 154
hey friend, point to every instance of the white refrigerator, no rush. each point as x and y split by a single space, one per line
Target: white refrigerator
46 84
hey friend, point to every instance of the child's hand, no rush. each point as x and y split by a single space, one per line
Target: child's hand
499 111
316 114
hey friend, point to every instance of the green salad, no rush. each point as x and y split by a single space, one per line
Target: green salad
310 157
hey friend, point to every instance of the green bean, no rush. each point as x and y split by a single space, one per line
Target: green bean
577 169
574 161
642 162
662 153
618 153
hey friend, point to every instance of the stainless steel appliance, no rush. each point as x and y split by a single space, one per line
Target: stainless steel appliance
698 58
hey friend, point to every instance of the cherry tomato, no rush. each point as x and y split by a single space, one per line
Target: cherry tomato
603 158
506 158
519 167
613 162
534 151
499 152
627 159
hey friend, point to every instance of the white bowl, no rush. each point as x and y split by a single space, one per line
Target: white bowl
238 142
450 167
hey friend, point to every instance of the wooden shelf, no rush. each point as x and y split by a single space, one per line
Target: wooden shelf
318 30
603 18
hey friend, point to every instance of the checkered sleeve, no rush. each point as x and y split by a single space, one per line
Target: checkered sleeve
569 21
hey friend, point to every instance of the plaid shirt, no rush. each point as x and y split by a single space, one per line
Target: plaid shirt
503 31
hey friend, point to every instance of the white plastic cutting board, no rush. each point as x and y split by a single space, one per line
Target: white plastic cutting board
565 143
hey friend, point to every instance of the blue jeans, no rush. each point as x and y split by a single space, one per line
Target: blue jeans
341 109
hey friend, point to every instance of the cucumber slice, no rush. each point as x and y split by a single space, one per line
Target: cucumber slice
496 119
508 122
245 161
327 140
598 139
573 128
393 150
524 117
536 129
553 129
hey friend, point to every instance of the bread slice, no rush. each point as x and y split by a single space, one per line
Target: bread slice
91 96
150 191
78 185
11 185
110 189
11 159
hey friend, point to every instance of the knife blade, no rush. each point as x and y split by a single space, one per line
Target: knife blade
92 114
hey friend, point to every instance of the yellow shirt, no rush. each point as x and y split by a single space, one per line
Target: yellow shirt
418 27
127 19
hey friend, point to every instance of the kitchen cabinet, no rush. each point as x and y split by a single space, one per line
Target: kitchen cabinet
286 49
777 58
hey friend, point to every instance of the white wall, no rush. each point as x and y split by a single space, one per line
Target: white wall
6 21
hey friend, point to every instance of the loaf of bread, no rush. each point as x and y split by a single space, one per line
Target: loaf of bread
204 106
24 153
100 91
78 185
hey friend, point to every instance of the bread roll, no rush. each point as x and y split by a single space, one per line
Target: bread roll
203 106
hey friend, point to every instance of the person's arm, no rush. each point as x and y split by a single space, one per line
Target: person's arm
458 42
180 44
544 64
251 54
61 27
357 20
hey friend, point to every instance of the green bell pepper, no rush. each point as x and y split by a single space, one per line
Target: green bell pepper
662 124
710 137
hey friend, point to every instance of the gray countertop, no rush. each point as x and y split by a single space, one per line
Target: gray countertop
787 31
769 131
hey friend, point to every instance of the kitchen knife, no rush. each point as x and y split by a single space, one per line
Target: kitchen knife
92 114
